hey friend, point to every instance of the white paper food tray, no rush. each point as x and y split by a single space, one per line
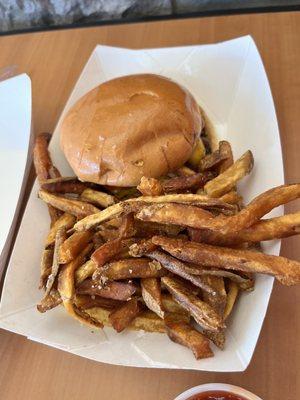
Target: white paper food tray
229 81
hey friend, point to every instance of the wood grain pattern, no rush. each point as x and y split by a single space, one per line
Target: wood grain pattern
54 60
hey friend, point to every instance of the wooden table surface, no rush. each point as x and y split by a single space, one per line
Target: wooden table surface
54 60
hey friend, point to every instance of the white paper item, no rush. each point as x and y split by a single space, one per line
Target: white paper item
229 82
15 122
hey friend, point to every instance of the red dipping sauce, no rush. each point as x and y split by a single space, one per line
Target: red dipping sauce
216 395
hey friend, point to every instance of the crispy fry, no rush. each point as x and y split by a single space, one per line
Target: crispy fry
74 207
170 305
226 181
125 193
64 185
218 338
113 290
285 270
108 251
203 314
81 315
54 214
150 187
178 268
122 317
232 197
84 301
41 157
232 294
226 151
198 154
50 301
143 247
54 172
119 208
149 229
132 268
182 183
59 239
151 293
216 300
46 266
66 221
172 213
72 246
86 270
127 228
184 334
216 158
101 199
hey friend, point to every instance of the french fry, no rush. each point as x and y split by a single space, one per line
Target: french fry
171 306
122 317
84 301
185 171
97 198
198 154
172 213
150 187
46 266
54 214
64 185
232 197
41 157
227 180
106 252
112 290
218 338
127 228
232 294
178 268
203 314
212 160
81 315
66 221
131 205
50 301
151 293
217 299
74 207
85 271
141 248
226 151
54 172
184 334
132 268
286 271
72 246
182 183
59 239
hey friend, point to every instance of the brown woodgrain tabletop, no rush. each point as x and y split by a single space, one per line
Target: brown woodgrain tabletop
54 61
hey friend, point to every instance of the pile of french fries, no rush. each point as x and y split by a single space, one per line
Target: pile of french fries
169 256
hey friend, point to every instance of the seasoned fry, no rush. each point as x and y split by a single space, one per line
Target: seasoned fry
50 301
66 221
232 197
149 229
198 154
124 315
143 247
182 183
184 334
54 214
72 246
86 270
151 293
170 306
226 181
203 314
132 268
178 268
119 208
232 294
46 266
218 338
172 213
74 207
113 290
84 301
150 187
213 159
285 270
101 199
64 185
59 239
216 300
81 315
108 251
127 228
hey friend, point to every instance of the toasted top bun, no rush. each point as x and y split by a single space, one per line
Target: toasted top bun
129 127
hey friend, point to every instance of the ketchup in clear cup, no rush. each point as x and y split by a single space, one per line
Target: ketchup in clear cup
216 395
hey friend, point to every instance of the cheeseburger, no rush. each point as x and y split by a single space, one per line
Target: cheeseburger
130 127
